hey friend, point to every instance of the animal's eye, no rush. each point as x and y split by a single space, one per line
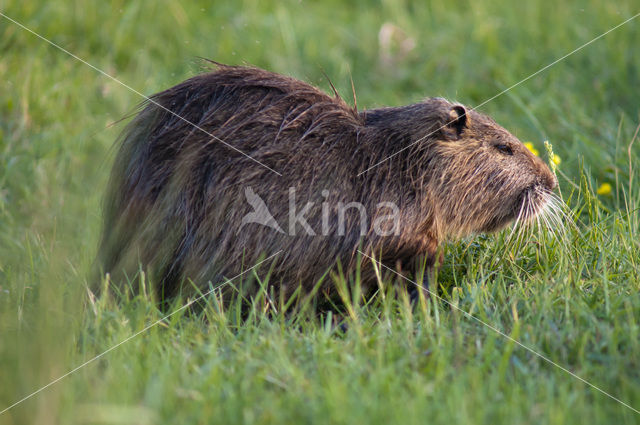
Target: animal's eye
505 149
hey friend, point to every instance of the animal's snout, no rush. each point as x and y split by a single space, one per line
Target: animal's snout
552 181
545 179
544 176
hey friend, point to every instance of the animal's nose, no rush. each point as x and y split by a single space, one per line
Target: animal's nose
545 176
552 181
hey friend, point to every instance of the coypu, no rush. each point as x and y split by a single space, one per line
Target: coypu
203 156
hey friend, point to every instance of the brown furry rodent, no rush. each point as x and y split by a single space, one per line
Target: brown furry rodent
178 198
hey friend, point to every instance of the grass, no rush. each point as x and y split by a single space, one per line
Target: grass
574 298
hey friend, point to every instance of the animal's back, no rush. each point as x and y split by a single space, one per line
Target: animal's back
182 167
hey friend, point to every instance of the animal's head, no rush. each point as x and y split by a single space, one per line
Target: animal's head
481 177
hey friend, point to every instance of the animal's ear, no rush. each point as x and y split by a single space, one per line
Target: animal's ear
457 121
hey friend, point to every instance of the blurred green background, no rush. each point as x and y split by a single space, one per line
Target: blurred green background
578 303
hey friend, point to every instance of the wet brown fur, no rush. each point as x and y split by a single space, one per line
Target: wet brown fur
176 197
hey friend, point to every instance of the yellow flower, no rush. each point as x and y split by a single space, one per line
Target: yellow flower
556 159
604 189
532 148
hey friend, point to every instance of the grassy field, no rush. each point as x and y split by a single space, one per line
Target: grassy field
573 296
